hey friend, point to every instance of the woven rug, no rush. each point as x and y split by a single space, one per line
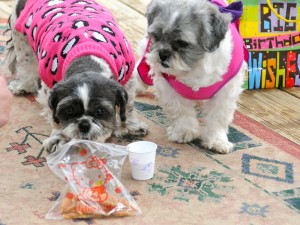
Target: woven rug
258 183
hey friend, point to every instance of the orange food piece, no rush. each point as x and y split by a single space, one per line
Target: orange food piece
72 208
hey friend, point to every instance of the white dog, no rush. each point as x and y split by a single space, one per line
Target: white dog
85 64
192 52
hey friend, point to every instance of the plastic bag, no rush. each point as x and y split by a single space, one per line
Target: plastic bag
92 171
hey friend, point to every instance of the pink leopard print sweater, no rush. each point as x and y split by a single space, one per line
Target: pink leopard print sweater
60 31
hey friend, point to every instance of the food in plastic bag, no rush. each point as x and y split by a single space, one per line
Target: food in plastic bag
92 171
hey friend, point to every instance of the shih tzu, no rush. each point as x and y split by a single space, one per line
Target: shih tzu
84 63
193 52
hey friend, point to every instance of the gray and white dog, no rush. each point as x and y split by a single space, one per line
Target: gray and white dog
76 69
193 54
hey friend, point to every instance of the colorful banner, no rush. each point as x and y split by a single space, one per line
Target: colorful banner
272 37
279 41
273 69
269 22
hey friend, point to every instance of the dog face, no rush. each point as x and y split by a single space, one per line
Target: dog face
182 32
84 107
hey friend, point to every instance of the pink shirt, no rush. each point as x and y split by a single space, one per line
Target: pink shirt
204 92
60 31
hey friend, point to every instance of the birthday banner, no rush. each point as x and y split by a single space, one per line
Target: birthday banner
271 33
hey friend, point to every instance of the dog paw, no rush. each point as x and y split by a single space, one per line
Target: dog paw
120 132
216 140
218 145
139 129
54 143
18 88
182 136
15 88
136 128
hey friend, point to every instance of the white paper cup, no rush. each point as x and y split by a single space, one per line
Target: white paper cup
142 159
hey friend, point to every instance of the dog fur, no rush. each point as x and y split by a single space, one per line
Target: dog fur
190 40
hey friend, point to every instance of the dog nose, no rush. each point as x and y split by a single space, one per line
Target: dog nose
164 54
84 126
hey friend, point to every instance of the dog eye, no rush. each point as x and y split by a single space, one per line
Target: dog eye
182 44
155 37
99 112
69 111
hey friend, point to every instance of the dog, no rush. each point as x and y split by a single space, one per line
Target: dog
192 54
72 53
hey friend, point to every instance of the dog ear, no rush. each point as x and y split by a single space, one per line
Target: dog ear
20 6
121 101
152 10
218 27
52 102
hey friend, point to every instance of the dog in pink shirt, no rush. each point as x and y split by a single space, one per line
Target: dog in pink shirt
84 62
193 55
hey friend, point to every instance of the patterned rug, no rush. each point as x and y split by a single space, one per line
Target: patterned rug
255 184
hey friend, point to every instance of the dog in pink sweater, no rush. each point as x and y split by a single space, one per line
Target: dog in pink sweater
75 56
